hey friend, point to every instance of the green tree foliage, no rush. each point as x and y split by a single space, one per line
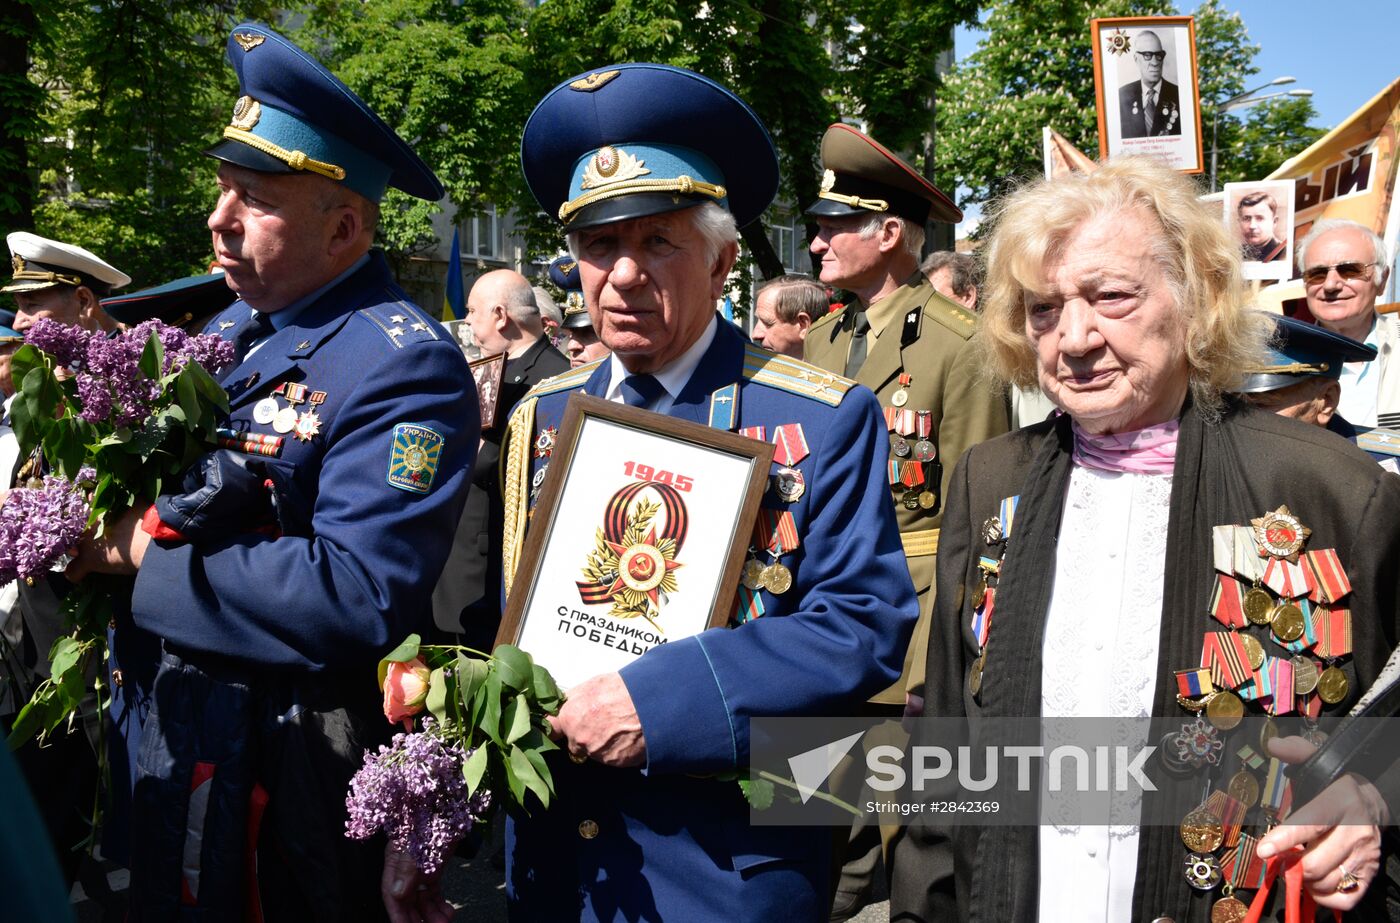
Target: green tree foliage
128 92
1035 68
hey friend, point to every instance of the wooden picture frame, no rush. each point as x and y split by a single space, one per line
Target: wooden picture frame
1172 131
640 535
488 372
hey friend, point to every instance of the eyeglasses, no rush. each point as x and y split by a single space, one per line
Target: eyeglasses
1350 271
1153 55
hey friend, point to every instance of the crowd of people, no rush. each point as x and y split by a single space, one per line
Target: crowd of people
1003 479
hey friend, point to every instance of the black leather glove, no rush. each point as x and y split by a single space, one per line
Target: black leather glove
224 494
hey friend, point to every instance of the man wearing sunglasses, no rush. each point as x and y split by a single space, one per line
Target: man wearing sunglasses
1149 107
1344 269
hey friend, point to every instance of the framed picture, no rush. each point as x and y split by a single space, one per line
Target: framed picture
487 372
639 537
1145 85
1260 215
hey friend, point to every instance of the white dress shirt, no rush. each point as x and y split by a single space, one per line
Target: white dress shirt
1361 385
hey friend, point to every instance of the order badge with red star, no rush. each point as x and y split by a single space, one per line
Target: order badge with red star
414 457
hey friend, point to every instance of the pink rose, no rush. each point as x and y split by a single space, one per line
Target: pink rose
405 691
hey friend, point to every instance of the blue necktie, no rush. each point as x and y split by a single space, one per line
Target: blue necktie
250 331
640 390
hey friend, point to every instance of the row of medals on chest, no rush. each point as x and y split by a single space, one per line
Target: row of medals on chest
303 424
1203 831
912 450
789 485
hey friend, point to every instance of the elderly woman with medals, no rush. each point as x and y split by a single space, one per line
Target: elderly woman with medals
1156 550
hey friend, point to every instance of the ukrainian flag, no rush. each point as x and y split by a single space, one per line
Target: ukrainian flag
455 304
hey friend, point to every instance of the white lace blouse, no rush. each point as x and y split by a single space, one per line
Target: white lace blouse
1099 660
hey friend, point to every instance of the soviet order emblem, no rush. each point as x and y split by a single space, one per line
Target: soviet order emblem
1118 42
1280 533
246 113
606 160
610 165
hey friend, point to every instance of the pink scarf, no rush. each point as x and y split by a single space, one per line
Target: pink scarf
1144 451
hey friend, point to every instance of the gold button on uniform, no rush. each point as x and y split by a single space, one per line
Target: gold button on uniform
588 829
117 678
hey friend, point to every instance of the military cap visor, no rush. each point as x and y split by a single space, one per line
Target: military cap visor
631 140
294 116
176 303
1299 351
861 176
38 263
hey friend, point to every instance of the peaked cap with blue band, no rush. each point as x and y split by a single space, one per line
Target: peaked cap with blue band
563 272
296 116
1299 351
630 140
176 303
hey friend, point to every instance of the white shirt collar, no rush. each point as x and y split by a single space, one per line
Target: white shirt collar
673 377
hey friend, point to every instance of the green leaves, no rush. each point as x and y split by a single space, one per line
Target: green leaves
496 708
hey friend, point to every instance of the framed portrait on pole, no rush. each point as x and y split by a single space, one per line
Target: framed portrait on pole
639 537
1146 89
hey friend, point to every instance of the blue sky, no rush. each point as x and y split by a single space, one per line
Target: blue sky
1345 51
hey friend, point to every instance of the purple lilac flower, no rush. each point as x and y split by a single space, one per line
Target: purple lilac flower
95 397
413 790
116 360
38 524
211 351
65 342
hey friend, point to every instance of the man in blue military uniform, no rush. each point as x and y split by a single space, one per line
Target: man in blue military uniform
581 342
309 545
650 169
189 303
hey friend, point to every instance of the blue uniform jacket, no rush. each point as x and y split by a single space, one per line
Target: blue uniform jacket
300 619
670 843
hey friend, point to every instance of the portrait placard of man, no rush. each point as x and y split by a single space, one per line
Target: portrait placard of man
1150 106
1261 216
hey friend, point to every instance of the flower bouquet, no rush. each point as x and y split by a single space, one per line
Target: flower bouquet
104 423
482 729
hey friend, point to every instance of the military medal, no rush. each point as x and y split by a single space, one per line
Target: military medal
974 679
1305 675
979 593
901 447
1332 685
308 425
1287 622
1225 710
991 531
1197 743
1244 788
1229 909
777 578
924 449
1280 533
927 499
1258 605
544 442
265 411
285 421
789 484
1254 649
911 500
1202 871
753 575
901 397
1201 831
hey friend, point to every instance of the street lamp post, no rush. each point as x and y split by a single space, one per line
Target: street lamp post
1240 101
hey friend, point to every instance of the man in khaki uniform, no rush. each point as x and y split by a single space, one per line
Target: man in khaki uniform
910 345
